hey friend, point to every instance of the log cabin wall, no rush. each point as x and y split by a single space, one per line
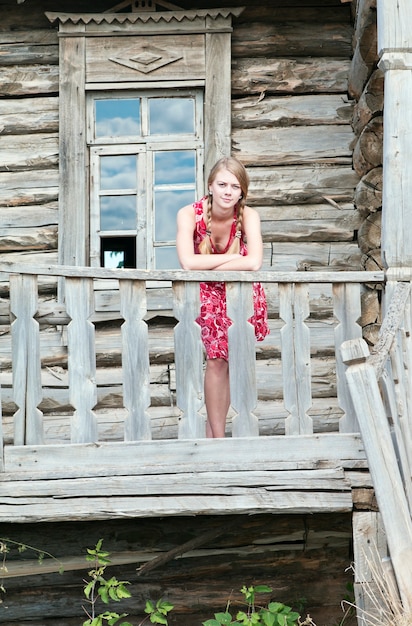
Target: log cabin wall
365 86
291 125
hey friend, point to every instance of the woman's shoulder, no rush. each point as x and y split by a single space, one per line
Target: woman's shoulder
250 214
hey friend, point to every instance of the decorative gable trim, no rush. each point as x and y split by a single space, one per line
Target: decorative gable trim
202 20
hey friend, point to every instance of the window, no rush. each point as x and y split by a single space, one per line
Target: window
143 115
146 161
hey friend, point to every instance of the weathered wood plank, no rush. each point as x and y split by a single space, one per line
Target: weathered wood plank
204 483
28 187
178 456
242 368
196 276
28 239
292 39
188 360
303 144
81 359
308 110
382 460
347 308
30 53
135 360
102 67
27 217
28 151
303 184
255 75
249 502
310 222
369 546
27 80
27 390
73 180
29 115
217 97
295 338
271 12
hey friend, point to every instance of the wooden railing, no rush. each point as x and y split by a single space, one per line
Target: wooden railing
380 385
76 312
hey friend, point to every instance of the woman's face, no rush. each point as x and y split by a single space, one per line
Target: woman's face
226 189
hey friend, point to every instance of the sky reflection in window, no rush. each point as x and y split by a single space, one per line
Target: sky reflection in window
117 117
118 213
170 116
166 258
118 172
167 204
174 167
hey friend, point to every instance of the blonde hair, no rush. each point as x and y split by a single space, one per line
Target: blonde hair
236 168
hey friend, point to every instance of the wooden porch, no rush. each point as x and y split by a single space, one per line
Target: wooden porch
59 465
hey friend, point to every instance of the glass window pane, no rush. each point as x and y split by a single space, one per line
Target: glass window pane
166 258
167 204
118 213
177 167
171 116
118 172
117 117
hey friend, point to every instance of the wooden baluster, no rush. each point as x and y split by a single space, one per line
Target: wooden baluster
27 389
188 360
242 359
135 360
347 310
295 343
382 461
81 359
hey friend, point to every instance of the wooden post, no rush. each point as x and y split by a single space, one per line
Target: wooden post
347 309
369 547
135 360
27 389
188 360
382 462
295 340
395 51
81 359
242 370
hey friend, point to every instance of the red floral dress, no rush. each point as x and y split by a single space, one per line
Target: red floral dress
213 318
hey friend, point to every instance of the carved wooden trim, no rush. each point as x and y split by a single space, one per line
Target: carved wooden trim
179 46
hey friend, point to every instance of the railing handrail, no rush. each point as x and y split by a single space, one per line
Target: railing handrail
380 386
264 276
78 314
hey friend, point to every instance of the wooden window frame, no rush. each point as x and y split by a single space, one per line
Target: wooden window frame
144 146
204 37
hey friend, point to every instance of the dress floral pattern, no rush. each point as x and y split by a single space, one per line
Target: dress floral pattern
213 318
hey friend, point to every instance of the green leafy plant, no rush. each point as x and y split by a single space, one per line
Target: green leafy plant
272 614
6 547
99 588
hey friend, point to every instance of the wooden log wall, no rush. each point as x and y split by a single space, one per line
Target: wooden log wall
291 125
366 88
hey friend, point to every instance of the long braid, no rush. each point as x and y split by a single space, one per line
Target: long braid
235 245
205 246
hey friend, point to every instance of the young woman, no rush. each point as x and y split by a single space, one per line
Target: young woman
212 235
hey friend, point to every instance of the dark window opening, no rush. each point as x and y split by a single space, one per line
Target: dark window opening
118 252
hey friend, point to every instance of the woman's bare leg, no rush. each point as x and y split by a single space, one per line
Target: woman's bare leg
217 396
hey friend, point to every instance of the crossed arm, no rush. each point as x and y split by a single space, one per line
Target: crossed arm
191 261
